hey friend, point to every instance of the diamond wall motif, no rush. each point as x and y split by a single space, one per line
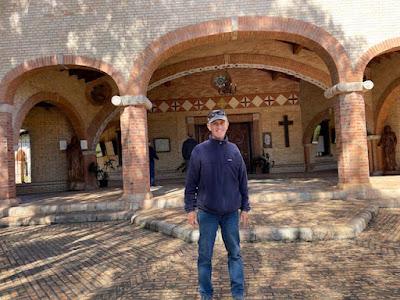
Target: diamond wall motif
230 102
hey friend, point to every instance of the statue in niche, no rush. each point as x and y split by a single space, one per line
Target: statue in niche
75 165
388 142
22 164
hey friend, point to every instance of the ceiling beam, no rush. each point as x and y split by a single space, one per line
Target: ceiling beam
276 75
297 48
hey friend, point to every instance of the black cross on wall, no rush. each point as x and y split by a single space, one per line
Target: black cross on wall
286 124
198 104
245 102
175 105
269 101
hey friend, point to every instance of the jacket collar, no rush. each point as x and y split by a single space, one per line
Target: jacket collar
224 141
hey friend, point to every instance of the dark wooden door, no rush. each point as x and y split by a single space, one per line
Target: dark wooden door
238 133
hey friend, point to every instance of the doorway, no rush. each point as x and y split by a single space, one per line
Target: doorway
238 133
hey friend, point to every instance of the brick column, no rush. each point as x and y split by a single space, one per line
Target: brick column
7 161
307 157
135 156
90 178
351 132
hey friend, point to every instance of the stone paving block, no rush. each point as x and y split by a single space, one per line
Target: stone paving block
115 260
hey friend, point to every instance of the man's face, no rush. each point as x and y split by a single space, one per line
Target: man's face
218 129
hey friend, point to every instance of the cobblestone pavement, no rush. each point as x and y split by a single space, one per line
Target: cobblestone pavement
116 260
294 213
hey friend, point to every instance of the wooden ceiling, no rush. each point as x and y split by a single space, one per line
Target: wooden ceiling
263 47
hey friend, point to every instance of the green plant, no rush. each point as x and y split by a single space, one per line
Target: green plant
263 161
101 173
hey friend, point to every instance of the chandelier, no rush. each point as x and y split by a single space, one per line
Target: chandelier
223 83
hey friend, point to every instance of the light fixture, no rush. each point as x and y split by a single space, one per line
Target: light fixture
223 83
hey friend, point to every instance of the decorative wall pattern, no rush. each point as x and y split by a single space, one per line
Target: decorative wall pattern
226 102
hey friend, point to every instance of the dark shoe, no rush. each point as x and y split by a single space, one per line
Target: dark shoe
205 297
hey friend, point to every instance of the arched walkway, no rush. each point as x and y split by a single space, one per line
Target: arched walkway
309 130
268 62
385 102
378 49
314 38
100 122
14 77
63 104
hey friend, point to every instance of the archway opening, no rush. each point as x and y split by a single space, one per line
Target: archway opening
109 155
383 111
76 97
45 161
275 88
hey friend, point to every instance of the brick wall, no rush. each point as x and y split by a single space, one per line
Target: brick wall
173 125
116 33
7 186
46 127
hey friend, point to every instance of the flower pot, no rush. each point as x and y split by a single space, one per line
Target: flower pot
103 183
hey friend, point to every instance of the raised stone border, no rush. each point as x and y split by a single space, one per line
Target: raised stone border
269 233
382 197
46 214
65 213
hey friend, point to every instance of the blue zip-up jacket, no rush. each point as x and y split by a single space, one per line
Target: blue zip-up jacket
216 181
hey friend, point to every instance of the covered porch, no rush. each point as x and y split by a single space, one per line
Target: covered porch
292 206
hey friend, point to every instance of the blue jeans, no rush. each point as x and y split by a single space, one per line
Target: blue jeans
152 173
208 226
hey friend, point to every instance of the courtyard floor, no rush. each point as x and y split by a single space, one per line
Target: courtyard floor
120 260
116 260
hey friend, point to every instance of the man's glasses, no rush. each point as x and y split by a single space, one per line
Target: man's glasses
216 113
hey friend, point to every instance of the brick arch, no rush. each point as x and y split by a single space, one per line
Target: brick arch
269 62
306 34
309 131
385 102
378 49
60 102
14 77
100 122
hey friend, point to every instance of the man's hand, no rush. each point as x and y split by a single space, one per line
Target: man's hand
244 218
192 218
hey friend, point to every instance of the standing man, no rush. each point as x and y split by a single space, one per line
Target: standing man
216 184
187 148
152 156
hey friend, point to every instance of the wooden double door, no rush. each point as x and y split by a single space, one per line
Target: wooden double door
238 133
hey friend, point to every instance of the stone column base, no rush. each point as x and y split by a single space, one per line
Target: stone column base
356 190
138 200
4 203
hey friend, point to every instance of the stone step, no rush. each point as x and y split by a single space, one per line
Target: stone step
383 197
69 217
260 197
30 210
329 230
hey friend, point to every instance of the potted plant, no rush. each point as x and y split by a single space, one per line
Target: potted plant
102 173
263 161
